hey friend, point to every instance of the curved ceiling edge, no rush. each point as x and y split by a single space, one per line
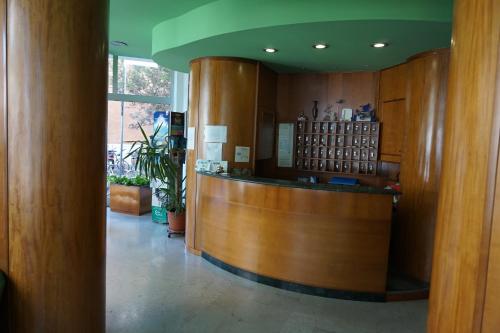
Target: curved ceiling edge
228 16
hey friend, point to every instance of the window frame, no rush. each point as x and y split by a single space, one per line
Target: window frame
115 96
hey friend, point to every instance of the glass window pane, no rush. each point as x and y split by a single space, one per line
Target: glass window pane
114 122
110 73
144 78
114 130
139 113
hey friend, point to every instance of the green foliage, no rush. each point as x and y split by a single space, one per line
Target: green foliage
173 197
134 181
148 81
154 160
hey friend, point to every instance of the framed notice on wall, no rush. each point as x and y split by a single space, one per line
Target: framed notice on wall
285 145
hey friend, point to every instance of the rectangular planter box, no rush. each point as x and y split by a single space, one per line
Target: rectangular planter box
135 200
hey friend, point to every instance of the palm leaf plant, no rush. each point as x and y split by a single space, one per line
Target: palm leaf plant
155 160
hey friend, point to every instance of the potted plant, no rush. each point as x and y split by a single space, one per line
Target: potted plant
172 198
129 195
156 160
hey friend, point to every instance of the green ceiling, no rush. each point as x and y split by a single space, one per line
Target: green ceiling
173 32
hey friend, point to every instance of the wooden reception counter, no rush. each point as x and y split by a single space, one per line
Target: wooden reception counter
319 239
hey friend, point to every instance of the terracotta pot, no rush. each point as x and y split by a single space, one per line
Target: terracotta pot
176 223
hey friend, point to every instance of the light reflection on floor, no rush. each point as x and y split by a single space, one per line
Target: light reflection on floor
154 285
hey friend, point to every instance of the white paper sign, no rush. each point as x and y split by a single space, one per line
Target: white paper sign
215 133
210 166
191 135
242 154
285 145
213 151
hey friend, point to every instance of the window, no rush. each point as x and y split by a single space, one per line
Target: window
137 88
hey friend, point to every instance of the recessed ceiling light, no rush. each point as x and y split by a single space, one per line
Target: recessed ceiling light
270 50
320 46
118 43
379 45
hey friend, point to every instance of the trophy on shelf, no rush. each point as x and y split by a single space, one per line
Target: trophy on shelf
367 113
329 113
337 113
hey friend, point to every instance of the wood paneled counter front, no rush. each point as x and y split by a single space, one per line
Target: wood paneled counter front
322 239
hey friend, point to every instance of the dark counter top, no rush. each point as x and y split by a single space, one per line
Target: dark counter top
296 184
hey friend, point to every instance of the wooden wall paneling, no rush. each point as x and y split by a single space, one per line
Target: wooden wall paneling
466 199
421 164
267 88
4 200
4 215
296 93
57 100
266 113
223 91
392 117
391 111
299 92
491 319
359 88
192 156
335 90
228 97
318 238
393 83
199 212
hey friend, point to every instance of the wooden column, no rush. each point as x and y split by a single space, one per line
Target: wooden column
191 157
413 232
4 216
467 191
223 91
56 88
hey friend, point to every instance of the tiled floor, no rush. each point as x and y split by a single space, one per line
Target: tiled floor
153 285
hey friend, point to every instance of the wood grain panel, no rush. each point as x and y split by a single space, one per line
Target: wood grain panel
4 215
296 93
319 238
391 111
192 156
57 99
266 113
228 97
392 118
130 199
421 164
466 197
491 319
393 83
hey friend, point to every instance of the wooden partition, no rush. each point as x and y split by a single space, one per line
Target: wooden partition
324 239
392 111
413 233
4 199
295 95
491 319
223 91
57 53
191 157
466 247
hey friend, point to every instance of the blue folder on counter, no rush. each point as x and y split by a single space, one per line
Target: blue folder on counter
343 181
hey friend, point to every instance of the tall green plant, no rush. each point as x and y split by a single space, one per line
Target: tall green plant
154 160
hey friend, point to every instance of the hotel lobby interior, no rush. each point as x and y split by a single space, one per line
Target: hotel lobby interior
325 166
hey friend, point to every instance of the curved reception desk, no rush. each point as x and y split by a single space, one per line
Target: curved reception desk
327 240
